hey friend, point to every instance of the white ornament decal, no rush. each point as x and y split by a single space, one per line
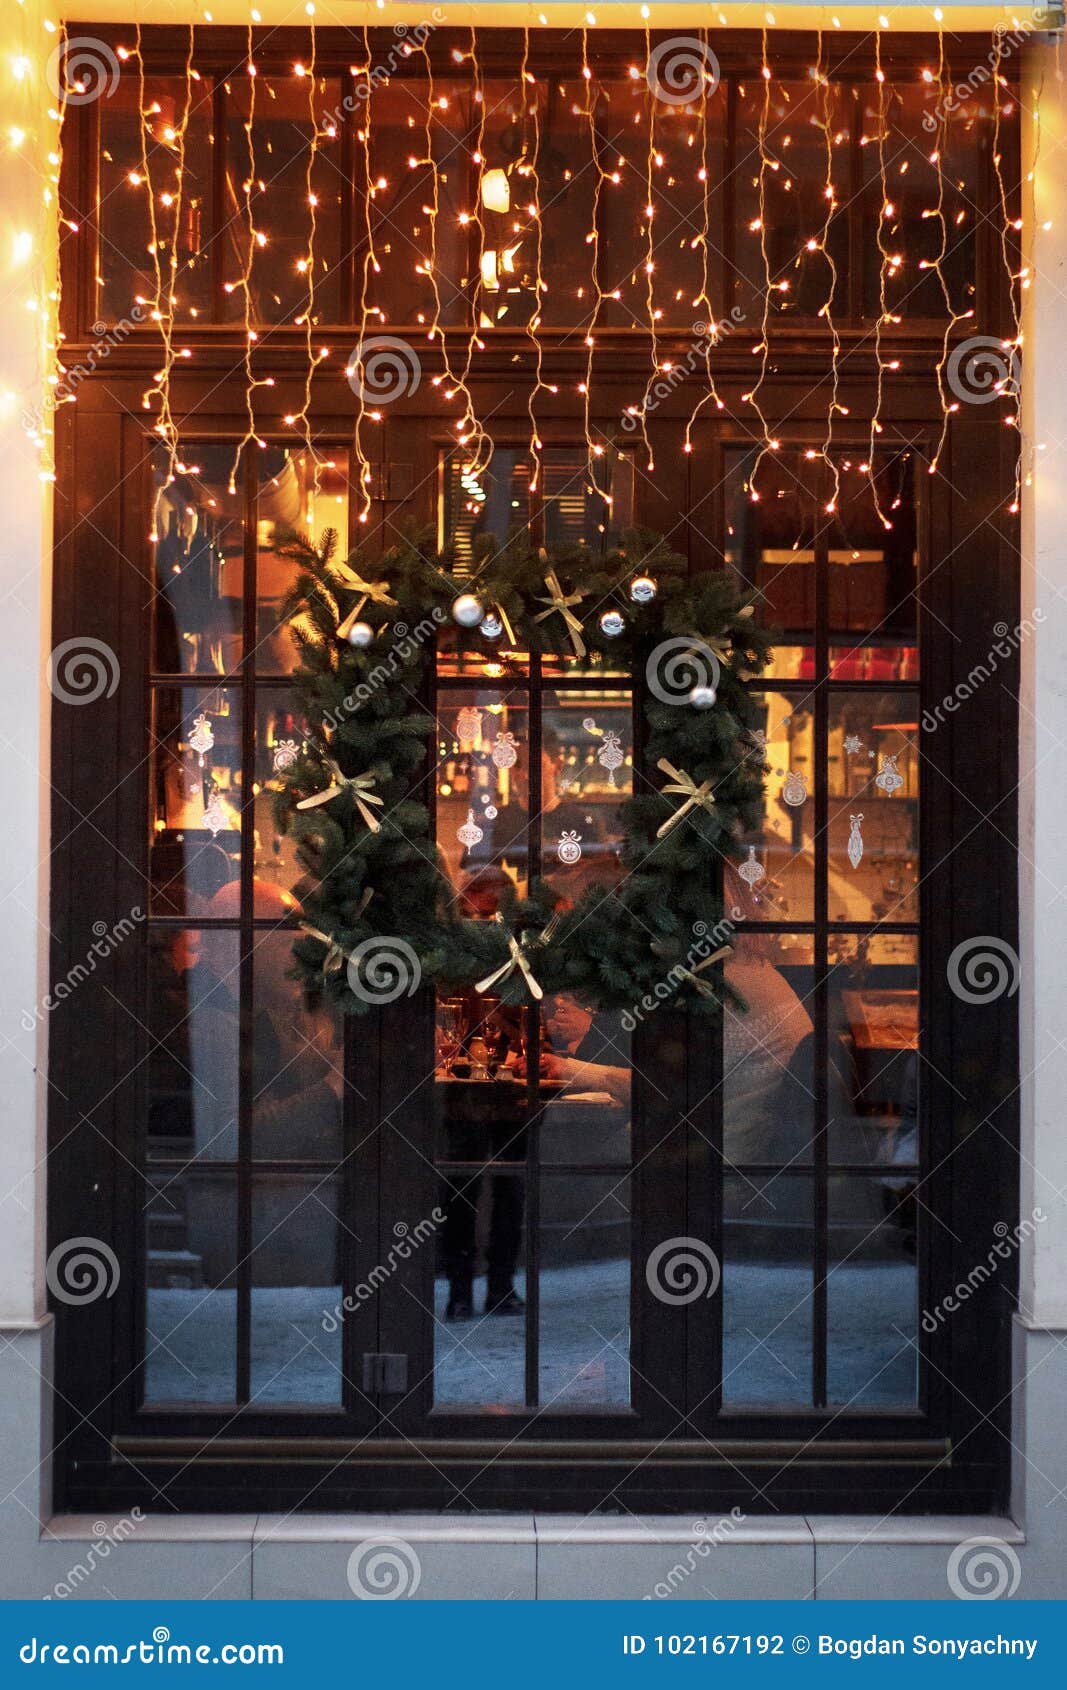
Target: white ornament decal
889 777
855 840
569 849
215 817
285 755
794 789
611 755
470 833
202 738
505 751
751 871
853 744
469 724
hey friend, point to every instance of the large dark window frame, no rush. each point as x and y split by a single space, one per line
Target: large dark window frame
952 1452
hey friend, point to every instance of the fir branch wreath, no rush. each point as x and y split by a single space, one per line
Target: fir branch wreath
376 898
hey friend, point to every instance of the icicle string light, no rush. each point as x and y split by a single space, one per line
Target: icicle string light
472 436
600 176
821 244
953 317
245 279
1009 228
164 296
769 443
885 211
302 420
703 299
530 90
357 372
651 101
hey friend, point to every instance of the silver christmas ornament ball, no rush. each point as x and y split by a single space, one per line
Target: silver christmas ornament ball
468 611
491 627
360 635
643 589
702 698
612 623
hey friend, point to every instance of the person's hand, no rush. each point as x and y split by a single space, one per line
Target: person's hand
552 1066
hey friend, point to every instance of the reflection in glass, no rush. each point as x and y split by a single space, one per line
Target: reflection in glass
581 503
281 733
873 776
199 560
297 1072
402 287
585 1085
483 793
296 1282
191 1297
872 569
295 496
585 1290
767 1290
874 1040
587 776
193 988
871 1292
784 841
770 540
479 1298
195 797
768 1064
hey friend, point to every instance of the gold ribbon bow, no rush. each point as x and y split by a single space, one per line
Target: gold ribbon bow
516 959
505 623
335 956
561 601
376 591
358 785
693 974
686 787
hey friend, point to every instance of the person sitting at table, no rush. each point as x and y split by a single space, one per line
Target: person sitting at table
576 1044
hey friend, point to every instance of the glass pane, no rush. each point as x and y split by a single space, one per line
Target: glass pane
873 571
795 204
479 1315
586 778
191 1299
584 503
179 147
280 737
483 793
767 1290
585 1290
479 1089
195 797
296 1289
193 988
297 1063
770 538
496 502
296 495
874 1042
279 205
768 1072
585 1086
783 846
872 1293
873 774
199 553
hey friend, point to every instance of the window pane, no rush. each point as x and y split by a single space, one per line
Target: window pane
278 204
874 1040
871 1293
586 778
405 239
280 737
783 846
873 571
191 1300
193 989
479 1313
296 1289
296 495
195 797
585 1290
483 793
297 1063
497 502
767 1290
768 1070
770 539
586 1085
199 561
576 496
179 147
874 806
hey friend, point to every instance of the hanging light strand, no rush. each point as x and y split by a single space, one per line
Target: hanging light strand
650 250
473 437
162 309
703 298
821 244
245 279
368 266
769 443
600 176
303 416
533 322
885 212
952 316
1009 229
